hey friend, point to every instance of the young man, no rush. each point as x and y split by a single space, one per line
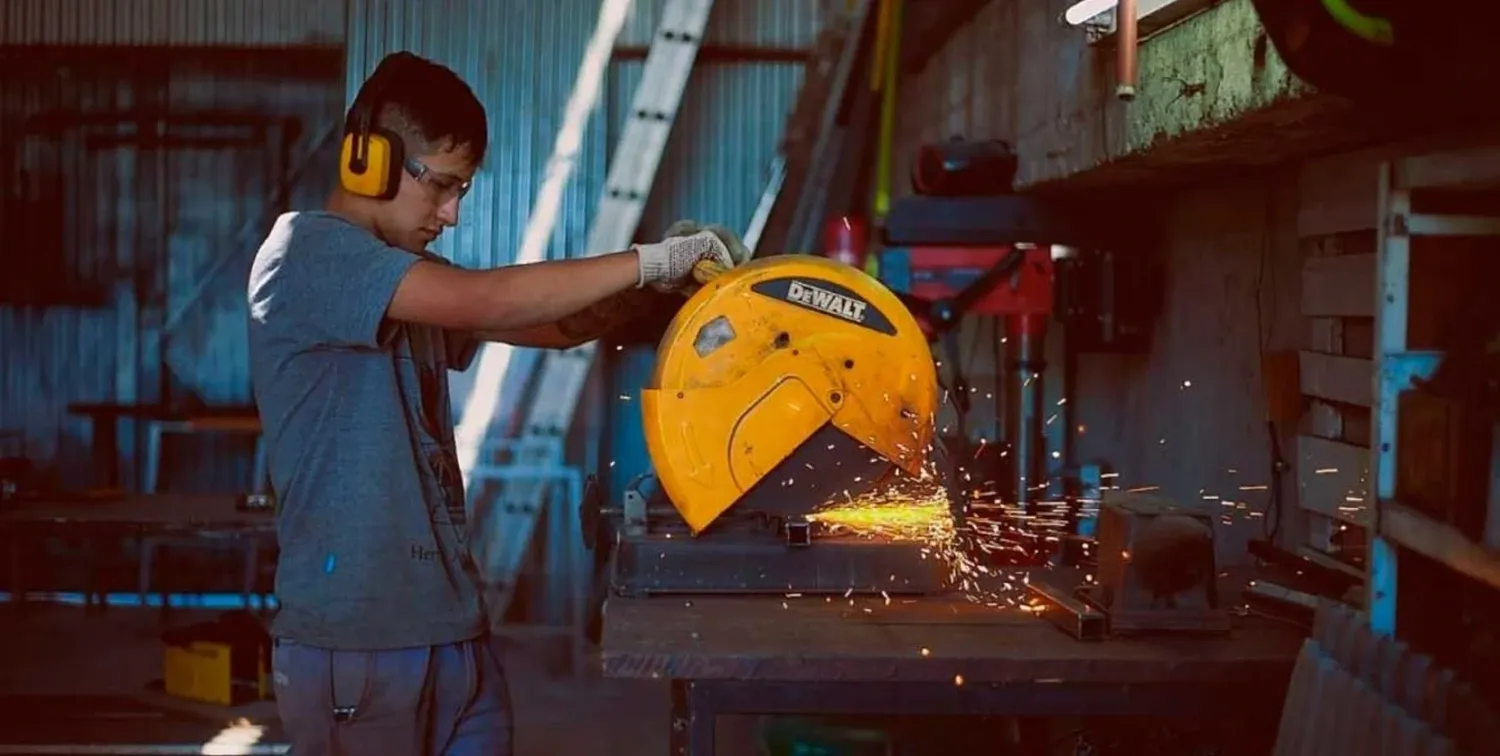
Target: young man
380 640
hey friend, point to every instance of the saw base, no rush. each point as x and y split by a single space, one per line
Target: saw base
748 563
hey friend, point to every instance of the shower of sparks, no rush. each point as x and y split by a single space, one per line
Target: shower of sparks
989 552
891 516
986 556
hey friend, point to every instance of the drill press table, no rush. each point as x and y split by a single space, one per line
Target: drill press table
925 656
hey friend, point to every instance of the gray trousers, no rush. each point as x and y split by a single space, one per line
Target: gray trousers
434 701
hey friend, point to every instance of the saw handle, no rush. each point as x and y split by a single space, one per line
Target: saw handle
707 270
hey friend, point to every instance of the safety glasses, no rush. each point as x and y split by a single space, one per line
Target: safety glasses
445 185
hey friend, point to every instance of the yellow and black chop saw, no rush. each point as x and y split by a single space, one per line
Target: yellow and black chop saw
785 390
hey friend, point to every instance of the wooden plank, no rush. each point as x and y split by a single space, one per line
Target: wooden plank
1333 479
1439 542
1341 379
1340 193
1284 595
930 639
1321 531
1339 286
1316 556
1282 387
1472 167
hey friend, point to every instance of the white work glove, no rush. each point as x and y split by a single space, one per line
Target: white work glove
668 265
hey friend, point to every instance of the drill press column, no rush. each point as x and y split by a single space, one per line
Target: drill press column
1025 335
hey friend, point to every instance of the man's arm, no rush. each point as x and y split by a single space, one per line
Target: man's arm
513 298
590 323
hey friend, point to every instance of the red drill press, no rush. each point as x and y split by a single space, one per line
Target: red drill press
965 244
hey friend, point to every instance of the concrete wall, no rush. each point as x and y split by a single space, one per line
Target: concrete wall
1190 416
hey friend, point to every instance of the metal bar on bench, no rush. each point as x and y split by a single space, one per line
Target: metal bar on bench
1068 612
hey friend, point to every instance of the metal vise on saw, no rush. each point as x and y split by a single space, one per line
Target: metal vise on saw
1156 573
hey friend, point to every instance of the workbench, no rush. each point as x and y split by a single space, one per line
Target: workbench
925 656
154 520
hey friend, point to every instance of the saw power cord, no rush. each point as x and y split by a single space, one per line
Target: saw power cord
1279 466
1271 525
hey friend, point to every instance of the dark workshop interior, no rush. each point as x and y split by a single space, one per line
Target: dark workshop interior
1082 377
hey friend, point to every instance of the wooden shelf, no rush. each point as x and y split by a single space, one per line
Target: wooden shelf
1332 479
1440 542
1349 380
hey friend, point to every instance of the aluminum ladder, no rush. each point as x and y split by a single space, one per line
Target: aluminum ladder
537 453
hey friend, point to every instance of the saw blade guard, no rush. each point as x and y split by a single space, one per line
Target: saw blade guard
769 355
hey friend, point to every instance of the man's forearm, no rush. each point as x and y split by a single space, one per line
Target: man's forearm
543 293
590 323
598 319
513 297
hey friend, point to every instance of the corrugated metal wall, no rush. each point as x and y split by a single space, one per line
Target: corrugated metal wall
734 112
773 24
717 164
521 59
141 142
140 225
210 23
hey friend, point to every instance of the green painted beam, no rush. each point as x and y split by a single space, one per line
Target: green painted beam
1211 94
1210 70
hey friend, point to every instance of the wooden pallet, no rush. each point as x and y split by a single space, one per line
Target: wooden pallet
1355 692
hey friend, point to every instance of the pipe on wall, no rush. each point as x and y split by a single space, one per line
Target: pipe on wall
1127 36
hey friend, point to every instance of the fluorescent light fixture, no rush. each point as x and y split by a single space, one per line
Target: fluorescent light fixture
1084 10
494 359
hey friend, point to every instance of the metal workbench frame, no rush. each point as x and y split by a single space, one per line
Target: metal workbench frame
696 704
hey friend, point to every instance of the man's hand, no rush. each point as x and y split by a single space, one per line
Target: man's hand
668 264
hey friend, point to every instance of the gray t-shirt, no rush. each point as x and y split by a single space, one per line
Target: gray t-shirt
359 432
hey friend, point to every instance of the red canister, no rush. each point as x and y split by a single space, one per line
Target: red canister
844 239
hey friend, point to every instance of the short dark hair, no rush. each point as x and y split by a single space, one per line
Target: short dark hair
426 104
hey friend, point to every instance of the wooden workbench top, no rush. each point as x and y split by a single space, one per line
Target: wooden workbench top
912 640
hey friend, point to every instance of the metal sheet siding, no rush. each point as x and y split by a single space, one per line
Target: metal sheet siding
734 113
146 228
719 157
226 23
779 24
521 59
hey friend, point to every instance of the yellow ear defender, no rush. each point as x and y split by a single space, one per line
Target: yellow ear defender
372 159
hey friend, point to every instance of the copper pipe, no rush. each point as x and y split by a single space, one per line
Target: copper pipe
1126 39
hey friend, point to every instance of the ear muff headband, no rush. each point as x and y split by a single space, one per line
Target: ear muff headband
371 160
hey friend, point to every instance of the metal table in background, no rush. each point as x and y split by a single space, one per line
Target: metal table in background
158 420
154 519
924 656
